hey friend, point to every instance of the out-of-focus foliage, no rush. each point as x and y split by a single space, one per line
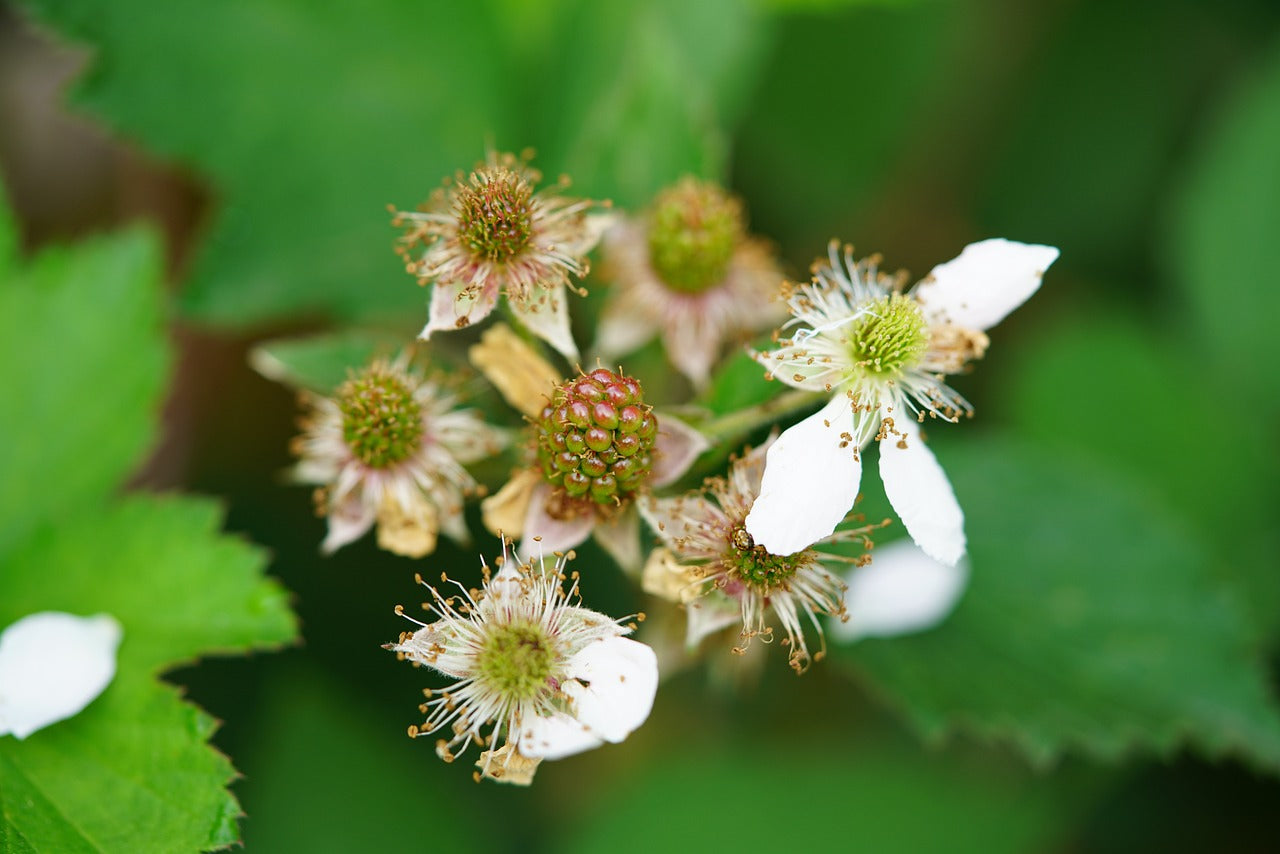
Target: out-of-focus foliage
1122 599
309 121
362 779
1092 621
84 351
81 393
1221 247
853 795
1143 420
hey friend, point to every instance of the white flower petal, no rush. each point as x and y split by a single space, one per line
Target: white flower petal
902 590
674 520
544 534
708 615
52 665
455 306
548 318
555 737
675 449
920 493
810 481
989 279
623 329
693 342
620 537
348 522
611 684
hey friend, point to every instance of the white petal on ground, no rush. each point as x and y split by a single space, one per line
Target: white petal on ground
548 318
451 309
902 590
52 665
920 493
554 535
620 537
810 482
611 685
978 288
675 449
348 522
555 737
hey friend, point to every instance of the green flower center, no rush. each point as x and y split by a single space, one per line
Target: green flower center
516 660
381 421
693 231
755 565
891 336
595 440
495 214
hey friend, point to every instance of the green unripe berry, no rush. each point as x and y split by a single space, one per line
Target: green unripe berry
595 439
495 214
381 420
694 229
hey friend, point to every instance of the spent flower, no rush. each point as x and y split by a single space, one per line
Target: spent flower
689 272
389 448
533 669
712 565
493 233
883 352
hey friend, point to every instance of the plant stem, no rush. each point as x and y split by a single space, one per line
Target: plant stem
740 423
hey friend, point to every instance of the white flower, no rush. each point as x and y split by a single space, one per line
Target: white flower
389 448
595 445
712 566
492 234
52 665
901 591
687 271
883 352
533 668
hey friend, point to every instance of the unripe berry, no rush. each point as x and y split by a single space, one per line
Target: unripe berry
595 439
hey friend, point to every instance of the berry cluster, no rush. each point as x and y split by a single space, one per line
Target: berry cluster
595 440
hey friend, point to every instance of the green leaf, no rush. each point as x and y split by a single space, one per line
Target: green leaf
83 355
1091 623
648 92
180 590
308 121
1221 241
160 567
739 383
130 773
84 363
1099 383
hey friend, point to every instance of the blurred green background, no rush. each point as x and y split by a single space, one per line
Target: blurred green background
1124 450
